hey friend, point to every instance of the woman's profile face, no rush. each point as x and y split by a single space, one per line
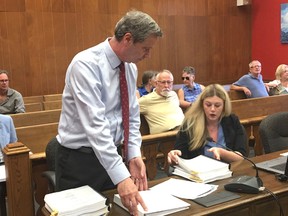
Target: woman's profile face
152 81
213 108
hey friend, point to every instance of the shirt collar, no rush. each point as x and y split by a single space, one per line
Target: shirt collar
113 59
250 74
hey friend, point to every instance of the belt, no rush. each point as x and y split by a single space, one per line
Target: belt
86 150
89 150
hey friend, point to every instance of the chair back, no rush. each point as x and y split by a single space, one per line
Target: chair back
144 127
273 132
51 154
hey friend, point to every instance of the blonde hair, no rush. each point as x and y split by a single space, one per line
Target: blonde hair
194 123
280 69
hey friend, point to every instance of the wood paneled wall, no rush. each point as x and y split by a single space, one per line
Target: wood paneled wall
38 38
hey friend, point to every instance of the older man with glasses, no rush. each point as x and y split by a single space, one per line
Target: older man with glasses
161 108
252 83
190 90
11 101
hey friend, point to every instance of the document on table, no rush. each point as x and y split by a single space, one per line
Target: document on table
158 203
2 173
284 154
185 189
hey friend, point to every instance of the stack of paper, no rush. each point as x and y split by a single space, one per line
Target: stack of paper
157 203
202 169
184 189
76 202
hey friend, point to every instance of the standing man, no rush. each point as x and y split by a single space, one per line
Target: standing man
252 84
90 129
11 101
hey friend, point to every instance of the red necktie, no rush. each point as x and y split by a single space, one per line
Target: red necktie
125 108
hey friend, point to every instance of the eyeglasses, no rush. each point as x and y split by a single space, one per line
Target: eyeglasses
187 78
259 66
3 81
165 81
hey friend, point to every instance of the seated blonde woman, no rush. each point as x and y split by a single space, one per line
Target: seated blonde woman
210 129
281 75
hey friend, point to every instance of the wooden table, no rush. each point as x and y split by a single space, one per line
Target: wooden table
247 204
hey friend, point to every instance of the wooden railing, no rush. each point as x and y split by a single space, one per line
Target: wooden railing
252 111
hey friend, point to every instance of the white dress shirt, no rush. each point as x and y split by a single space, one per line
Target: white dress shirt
91 112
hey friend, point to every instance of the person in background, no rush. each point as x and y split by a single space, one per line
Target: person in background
90 132
252 84
281 75
11 101
7 132
209 127
191 90
148 83
161 107
7 135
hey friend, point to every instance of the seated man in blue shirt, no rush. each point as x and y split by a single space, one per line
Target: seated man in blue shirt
252 84
191 90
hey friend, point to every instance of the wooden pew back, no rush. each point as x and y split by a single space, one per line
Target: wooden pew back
36 137
50 105
33 99
36 118
43 102
144 127
252 111
33 107
236 95
152 146
52 97
255 107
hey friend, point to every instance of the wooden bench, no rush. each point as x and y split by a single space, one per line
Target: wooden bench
157 146
52 97
50 105
252 111
36 137
42 102
33 99
36 118
236 95
33 107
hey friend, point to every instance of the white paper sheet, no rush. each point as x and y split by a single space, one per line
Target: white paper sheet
2 173
185 189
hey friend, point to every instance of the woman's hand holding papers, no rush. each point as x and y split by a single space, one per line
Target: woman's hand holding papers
173 156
